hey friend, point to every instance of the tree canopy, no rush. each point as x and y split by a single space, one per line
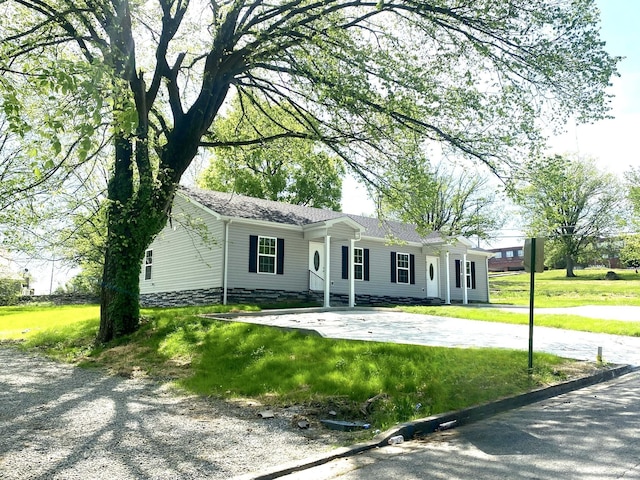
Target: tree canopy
572 203
288 169
481 78
437 198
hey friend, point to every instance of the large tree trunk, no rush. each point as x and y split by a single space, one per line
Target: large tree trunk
131 231
134 217
120 296
570 265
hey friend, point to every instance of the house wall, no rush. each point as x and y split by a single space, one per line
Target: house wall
480 293
296 259
379 283
188 269
182 258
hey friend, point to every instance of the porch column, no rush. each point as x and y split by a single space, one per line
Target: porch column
447 298
486 269
465 298
327 271
352 271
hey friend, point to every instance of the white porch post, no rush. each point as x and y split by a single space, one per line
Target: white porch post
465 298
447 299
486 269
327 271
352 271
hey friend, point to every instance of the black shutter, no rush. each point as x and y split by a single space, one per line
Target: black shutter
393 267
345 262
457 273
253 253
366 264
412 268
280 259
473 275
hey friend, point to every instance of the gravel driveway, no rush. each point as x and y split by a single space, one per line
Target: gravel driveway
62 422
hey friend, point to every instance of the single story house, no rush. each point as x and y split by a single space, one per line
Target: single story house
229 248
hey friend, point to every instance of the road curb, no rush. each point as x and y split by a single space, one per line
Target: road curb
425 426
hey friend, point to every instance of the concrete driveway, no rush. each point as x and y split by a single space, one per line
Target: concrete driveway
386 325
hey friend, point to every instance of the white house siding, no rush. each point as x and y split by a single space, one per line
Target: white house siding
379 271
339 232
479 294
296 259
182 260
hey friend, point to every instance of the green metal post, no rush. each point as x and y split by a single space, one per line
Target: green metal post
531 297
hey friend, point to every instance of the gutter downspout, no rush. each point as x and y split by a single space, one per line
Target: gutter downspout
225 262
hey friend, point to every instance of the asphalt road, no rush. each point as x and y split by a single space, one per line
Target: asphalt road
590 433
586 434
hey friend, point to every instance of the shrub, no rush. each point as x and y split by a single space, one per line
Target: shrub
9 291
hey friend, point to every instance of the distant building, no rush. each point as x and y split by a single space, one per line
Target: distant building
507 259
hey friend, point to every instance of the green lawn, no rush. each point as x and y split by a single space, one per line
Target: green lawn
228 360
554 289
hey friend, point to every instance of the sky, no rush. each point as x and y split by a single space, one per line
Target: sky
612 142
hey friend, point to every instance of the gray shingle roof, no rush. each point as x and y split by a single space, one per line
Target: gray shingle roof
241 206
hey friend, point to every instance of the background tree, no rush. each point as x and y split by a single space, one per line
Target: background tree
571 202
632 184
437 198
480 78
630 251
288 169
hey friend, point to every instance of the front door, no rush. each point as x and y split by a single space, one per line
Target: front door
316 266
433 275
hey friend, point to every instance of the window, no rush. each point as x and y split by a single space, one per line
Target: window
266 255
521 253
509 253
470 274
358 263
403 267
148 263
498 255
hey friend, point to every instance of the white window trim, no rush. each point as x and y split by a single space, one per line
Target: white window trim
509 254
148 264
468 274
361 263
274 255
407 268
498 255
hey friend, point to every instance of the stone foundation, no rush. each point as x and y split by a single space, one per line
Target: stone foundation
213 296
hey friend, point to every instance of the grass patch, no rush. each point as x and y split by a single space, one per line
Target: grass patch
233 360
567 322
554 289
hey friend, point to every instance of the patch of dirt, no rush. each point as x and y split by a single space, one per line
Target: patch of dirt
574 370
